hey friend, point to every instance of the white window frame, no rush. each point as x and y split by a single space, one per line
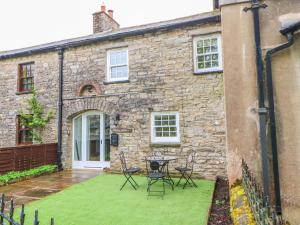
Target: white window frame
165 140
109 78
220 57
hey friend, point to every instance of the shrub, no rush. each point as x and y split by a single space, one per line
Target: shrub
18 175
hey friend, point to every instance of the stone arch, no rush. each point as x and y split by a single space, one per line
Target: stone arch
88 88
75 107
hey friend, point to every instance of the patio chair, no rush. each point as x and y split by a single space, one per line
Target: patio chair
154 174
186 171
128 172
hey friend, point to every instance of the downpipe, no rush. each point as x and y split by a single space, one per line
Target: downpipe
60 108
272 117
262 111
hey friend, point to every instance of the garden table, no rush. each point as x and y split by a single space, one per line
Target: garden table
164 161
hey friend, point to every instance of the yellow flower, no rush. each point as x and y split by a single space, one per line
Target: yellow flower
237 193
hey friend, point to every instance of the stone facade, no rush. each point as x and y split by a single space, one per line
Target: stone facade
46 85
160 79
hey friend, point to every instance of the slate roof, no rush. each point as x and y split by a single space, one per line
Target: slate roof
210 17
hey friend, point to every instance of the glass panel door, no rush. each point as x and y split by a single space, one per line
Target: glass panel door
93 138
78 139
107 138
91 144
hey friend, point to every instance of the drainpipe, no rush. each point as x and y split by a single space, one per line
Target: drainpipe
60 108
289 33
262 111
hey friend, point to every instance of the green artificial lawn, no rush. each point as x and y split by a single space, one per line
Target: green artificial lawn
99 201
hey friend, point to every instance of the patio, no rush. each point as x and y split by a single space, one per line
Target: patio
34 189
99 201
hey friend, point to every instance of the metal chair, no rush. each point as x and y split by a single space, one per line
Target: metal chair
128 172
154 174
186 171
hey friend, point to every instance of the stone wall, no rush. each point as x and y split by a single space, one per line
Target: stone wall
161 79
46 85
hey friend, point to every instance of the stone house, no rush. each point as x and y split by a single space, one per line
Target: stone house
170 86
149 85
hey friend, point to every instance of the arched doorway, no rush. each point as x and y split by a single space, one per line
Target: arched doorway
91 147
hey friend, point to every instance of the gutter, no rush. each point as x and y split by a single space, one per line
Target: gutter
114 36
60 108
289 33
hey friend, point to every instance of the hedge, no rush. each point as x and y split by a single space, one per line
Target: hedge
20 175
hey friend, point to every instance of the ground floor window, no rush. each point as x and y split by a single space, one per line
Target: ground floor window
165 127
24 133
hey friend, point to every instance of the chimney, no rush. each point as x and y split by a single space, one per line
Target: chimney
104 21
103 8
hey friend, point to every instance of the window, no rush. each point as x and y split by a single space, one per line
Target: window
207 54
165 127
26 74
117 65
24 134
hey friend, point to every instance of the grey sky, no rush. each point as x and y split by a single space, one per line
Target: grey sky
25 23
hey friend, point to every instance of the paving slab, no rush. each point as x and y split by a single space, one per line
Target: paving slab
36 188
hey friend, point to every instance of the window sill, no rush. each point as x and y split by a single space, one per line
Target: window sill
174 144
208 72
24 92
116 82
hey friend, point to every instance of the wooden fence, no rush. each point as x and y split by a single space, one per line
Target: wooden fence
27 157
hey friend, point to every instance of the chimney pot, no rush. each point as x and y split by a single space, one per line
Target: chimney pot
111 13
103 8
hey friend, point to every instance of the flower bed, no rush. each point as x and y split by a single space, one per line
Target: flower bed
220 210
16 176
240 210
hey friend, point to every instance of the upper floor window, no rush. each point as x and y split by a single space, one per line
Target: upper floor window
24 134
117 65
207 53
26 77
165 127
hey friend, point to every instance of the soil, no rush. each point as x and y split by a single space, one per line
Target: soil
220 209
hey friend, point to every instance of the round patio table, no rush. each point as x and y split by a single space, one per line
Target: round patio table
164 160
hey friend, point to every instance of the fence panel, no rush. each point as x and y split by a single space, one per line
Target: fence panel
27 157
7 160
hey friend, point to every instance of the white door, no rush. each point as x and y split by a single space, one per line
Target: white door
89 150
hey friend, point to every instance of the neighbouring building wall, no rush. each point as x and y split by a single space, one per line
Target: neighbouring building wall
240 90
241 96
286 79
46 86
160 79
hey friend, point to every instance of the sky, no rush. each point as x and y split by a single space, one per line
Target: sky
25 23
